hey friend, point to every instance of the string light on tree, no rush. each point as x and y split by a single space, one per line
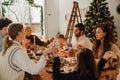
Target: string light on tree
98 12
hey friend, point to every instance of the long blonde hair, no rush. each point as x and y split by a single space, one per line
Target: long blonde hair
12 34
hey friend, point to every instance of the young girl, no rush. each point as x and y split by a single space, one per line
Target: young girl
86 66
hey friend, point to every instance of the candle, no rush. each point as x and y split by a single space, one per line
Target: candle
34 40
53 43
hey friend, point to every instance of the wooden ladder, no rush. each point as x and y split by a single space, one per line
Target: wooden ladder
74 19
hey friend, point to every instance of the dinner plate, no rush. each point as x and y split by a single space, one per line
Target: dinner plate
50 70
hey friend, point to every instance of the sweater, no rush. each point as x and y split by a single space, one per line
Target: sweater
73 75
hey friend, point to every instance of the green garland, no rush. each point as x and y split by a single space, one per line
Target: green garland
31 3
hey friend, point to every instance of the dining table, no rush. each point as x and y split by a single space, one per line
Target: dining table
45 74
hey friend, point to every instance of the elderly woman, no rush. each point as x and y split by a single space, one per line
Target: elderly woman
34 40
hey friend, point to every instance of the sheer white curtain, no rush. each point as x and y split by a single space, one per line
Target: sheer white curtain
22 12
18 12
0 9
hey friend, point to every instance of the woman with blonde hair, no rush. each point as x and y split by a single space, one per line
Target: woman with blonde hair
14 60
34 40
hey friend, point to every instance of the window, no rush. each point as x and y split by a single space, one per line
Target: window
25 12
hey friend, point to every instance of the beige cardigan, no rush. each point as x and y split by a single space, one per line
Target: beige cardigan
113 63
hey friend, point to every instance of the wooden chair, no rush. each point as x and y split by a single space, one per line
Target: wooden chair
109 74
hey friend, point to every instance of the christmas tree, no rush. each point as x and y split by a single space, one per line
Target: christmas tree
98 12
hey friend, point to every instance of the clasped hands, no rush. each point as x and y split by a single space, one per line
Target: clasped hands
52 50
109 54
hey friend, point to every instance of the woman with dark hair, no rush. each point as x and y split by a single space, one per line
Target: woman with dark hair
4 23
105 41
86 66
14 60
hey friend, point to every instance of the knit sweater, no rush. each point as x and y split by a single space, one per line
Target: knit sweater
8 70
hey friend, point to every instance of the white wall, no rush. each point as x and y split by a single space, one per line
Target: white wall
59 8
51 17
65 7
112 7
